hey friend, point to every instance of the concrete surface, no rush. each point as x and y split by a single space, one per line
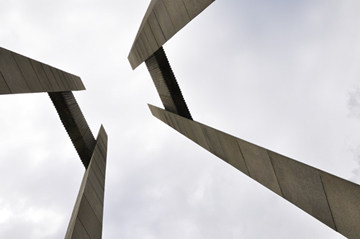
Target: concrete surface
330 199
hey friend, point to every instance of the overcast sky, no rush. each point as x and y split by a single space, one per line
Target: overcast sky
281 74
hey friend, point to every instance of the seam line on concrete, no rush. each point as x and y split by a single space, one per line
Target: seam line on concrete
277 180
100 186
162 32
187 12
147 38
247 169
167 11
327 200
5 81
157 43
38 77
12 55
47 77
82 226
102 203
244 159
93 212
97 164
96 175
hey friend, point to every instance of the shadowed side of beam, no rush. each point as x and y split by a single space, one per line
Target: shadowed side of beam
166 84
75 124
87 218
330 199
20 74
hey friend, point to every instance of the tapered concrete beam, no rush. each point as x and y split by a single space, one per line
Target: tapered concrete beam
162 20
20 74
87 217
330 199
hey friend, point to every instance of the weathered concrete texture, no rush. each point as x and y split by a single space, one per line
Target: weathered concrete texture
20 74
195 7
166 84
75 124
79 231
12 73
301 185
259 165
199 133
178 13
213 142
232 151
4 89
344 200
162 20
87 217
331 200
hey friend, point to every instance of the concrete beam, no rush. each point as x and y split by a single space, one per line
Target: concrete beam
20 74
330 199
87 217
162 20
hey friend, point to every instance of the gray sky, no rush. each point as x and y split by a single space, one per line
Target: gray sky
281 74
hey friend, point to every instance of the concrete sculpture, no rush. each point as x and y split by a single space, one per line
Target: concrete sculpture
20 74
330 199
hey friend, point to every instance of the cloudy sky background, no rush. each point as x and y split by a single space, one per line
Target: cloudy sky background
283 75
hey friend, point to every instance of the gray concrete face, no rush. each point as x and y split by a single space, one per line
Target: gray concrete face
302 185
213 142
20 74
75 124
28 73
40 72
12 73
166 84
178 13
195 7
4 88
232 151
162 20
331 200
259 165
343 197
87 217
154 26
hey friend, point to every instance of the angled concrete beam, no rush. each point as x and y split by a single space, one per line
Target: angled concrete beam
166 84
20 74
75 124
87 217
162 20
330 199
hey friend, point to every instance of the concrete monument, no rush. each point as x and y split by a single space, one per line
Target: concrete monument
20 74
330 199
